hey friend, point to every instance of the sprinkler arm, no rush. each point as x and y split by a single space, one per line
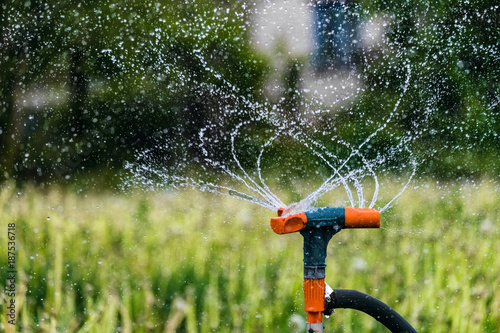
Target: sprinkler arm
289 224
343 217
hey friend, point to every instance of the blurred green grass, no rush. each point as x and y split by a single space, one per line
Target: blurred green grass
189 262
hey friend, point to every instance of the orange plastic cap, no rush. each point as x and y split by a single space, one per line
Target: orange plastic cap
314 317
362 218
314 299
286 225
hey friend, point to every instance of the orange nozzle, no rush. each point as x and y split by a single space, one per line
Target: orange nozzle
292 223
280 211
362 218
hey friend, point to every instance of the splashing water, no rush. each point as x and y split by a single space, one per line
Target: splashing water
152 171
242 148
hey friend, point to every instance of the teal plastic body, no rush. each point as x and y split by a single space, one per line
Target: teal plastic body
322 225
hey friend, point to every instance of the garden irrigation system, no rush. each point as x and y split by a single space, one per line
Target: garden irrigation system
317 227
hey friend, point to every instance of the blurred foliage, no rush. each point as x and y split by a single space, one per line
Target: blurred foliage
192 263
84 85
451 106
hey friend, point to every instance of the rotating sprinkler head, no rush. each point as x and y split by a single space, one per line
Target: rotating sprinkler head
318 226
336 217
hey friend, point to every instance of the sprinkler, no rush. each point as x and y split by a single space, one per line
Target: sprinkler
318 226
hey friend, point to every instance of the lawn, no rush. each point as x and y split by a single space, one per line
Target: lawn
193 262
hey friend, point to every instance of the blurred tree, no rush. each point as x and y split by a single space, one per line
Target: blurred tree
450 52
86 84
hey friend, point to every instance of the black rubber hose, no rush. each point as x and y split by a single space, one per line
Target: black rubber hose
353 299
